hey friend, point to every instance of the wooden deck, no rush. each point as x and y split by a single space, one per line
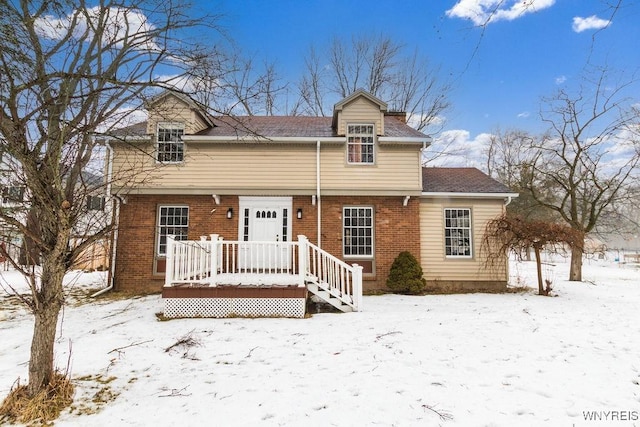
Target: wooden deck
217 278
235 291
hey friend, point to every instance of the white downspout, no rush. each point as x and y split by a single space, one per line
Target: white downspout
318 201
506 203
115 219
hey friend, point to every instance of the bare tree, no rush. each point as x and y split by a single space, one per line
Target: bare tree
588 157
508 160
70 70
312 87
513 233
380 66
247 89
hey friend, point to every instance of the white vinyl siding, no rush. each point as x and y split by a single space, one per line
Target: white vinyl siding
279 169
436 265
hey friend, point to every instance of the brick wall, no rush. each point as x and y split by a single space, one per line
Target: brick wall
396 230
135 255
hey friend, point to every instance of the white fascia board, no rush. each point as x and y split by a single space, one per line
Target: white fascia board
404 140
451 195
110 138
287 139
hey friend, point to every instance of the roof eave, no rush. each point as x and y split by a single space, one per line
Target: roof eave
460 195
405 140
255 138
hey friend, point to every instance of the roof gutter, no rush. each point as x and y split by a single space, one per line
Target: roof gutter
258 138
452 195
424 141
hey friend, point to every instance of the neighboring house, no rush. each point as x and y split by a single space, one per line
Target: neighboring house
14 200
97 214
12 194
353 184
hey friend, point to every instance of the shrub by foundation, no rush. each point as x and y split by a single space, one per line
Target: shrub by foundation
405 276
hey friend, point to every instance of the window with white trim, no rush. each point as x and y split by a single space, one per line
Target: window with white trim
360 144
170 147
457 233
172 220
95 203
13 194
357 231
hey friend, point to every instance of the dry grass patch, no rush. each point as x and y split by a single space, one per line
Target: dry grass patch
96 392
41 409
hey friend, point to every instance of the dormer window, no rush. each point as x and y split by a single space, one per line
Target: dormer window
360 144
170 145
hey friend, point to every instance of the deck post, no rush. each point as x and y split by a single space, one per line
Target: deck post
357 286
203 259
213 265
168 272
303 258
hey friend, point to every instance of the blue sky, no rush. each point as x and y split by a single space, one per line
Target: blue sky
517 59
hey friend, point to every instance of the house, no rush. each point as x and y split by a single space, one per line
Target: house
205 202
11 198
15 202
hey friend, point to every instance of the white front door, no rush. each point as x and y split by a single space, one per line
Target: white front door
266 220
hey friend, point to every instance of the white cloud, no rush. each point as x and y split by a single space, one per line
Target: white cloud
456 148
561 79
437 122
482 12
125 116
524 115
590 23
122 25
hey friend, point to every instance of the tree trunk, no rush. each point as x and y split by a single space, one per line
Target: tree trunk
41 367
29 252
575 273
49 301
541 290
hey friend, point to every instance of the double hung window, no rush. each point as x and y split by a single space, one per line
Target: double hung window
170 147
357 231
457 233
360 144
172 220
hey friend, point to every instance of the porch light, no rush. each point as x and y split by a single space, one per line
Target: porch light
299 213
229 213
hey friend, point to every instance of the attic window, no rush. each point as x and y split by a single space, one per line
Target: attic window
360 144
170 147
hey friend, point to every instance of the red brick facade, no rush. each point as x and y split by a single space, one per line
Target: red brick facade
396 229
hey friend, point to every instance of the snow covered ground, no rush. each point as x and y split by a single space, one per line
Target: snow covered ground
478 359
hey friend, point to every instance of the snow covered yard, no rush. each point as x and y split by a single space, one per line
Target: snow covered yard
481 359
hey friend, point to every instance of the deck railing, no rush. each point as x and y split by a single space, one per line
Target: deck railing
334 275
211 261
